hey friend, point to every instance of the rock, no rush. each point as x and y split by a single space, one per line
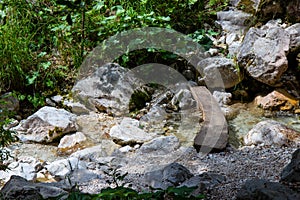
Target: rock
161 145
76 107
172 175
129 132
108 89
271 132
223 98
18 188
46 125
126 149
60 169
70 143
26 167
106 148
233 21
277 100
262 189
263 53
95 126
204 181
215 66
291 173
184 99
8 102
294 32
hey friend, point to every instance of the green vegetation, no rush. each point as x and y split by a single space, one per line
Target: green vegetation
44 42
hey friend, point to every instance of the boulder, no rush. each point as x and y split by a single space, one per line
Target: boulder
171 175
262 189
263 53
271 132
108 89
129 132
183 99
46 125
294 32
70 143
233 21
216 68
277 100
18 188
291 173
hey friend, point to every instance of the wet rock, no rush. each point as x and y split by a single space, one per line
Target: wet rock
262 189
233 21
161 145
46 125
291 173
108 89
294 32
263 53
129 132
71 143
106 148
18 188
216 68
277 100
271 132
172 175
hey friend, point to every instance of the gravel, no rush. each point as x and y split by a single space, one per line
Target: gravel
237 165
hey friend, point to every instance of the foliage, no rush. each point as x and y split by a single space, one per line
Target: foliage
6 136
43 42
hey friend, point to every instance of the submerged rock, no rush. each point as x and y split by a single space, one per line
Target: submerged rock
46 125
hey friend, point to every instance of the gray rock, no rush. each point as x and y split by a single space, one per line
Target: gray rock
69 142
203 182
161 145
263 53
62 168
129 132
291 173
233 21
106 148
294 32
184 99
262 189
107 89
172 175
18 188
271 132
76 107
223 98
216 68
26 167
46 124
